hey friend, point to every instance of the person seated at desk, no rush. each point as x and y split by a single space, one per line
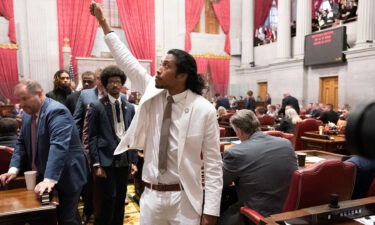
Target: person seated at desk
221 111
328 115
289 122
264 119
365 175
261 168
8 132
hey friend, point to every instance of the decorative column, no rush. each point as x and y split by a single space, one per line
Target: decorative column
365 24
303 25
247 53
284 40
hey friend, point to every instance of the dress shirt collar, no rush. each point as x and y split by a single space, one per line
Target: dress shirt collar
113 99
179 97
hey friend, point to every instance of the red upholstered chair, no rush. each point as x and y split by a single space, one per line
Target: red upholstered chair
314 185
222 131
371 190
266 120
5 156
302 127
277 133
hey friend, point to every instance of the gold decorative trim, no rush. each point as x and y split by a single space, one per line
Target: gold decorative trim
10 46
212 56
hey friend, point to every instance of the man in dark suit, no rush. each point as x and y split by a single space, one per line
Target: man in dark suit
222 101
50 144
84 100
88 81
289 100
109 118
328 115
250 103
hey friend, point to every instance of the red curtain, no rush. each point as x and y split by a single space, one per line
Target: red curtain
138 21
76 24
220 74
315 6
8 72
6 9
222 12
262 9
202 64
193 9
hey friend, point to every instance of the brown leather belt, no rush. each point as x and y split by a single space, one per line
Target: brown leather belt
163 187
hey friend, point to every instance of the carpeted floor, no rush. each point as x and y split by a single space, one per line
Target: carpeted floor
131 209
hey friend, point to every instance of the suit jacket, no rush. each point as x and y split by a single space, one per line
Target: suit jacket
199 133
59 154
102 136
250 104
84 100
261 168
289 100
71 101
222 101
329 116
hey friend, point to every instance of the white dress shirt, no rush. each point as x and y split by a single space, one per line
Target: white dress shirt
151 171
119 126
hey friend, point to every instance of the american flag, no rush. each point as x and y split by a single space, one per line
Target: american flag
71 71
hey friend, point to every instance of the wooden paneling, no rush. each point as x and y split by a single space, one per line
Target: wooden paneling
329 91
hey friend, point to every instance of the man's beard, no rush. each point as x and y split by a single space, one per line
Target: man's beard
65 89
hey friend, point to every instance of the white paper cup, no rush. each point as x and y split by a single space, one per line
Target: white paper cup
30 177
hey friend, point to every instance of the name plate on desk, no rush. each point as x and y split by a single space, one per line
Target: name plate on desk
350 212
335 216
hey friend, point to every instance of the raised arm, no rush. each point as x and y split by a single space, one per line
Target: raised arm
137 74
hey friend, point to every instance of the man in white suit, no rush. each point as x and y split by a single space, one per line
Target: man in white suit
177 129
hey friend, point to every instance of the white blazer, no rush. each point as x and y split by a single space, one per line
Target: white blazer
199 134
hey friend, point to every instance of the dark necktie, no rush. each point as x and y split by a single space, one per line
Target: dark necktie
164 136
33 133
117 106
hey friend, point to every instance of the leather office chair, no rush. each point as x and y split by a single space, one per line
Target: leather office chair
222 131
277 133
5 156
302 127
266 120
371 190
313 186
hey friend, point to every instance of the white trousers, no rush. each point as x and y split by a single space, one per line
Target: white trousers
167 208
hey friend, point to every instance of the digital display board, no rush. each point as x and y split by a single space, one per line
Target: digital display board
325 47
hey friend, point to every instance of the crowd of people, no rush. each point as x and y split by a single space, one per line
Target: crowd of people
339 11
86 143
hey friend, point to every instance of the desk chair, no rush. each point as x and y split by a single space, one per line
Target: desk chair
5 156
277 133
302 127
314 185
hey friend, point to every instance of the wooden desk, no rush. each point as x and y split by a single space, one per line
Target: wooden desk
19 206
348 211
320 154
329 143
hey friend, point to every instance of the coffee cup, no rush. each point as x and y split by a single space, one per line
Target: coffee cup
30 177
301 159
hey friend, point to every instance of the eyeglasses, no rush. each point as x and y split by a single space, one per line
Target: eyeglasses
115 82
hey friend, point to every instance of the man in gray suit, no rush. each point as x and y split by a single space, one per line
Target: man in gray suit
261 168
